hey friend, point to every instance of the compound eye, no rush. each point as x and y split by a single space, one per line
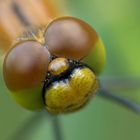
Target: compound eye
25 65
70 37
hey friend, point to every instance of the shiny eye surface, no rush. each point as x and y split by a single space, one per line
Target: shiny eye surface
70 37
25 65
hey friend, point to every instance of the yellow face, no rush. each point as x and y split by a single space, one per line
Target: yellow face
69 87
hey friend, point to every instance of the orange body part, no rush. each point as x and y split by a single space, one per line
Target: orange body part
18 15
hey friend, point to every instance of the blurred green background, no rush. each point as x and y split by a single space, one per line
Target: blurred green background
118 23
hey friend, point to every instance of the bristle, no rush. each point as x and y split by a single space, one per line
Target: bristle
33 33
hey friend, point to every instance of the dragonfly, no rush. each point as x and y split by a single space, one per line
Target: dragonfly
17 17
34 13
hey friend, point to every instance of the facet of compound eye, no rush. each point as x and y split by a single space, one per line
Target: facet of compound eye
70 37
25 65
58 66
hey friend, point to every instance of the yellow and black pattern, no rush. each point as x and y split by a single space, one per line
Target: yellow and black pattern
69 91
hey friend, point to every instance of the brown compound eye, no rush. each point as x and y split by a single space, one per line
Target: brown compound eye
70 37
25 65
